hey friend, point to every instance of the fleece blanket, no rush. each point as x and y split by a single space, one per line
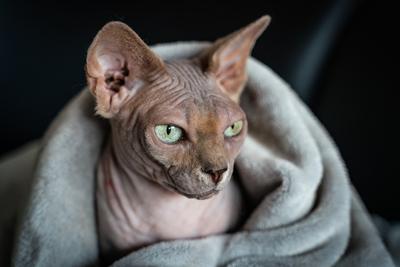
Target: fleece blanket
304 210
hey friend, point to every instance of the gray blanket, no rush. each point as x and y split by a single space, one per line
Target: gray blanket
305 212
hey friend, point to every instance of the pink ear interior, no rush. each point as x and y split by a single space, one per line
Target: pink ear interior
117 63
110 61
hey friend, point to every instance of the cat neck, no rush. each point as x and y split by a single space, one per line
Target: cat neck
133 211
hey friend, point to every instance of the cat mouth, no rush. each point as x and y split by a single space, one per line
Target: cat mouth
199 196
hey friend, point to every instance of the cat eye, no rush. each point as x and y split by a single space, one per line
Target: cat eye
234 129
168 133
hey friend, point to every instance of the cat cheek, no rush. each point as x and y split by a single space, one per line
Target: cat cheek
234 143
169 156
234 148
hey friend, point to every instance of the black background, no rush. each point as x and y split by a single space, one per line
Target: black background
338 55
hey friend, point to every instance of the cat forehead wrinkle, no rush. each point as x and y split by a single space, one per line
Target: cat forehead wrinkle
161 114
191 99
191 76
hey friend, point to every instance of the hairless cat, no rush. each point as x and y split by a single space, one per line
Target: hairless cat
176 129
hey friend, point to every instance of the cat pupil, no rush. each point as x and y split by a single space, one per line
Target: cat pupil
168 129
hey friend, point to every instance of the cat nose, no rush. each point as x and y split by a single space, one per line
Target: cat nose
216 175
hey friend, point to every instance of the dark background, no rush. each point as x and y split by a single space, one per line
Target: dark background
337 54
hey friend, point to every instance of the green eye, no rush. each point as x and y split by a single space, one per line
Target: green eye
168 133
234 129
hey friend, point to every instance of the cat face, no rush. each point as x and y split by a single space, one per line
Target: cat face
180 121
193 130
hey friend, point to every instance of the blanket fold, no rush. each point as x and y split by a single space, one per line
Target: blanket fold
305 210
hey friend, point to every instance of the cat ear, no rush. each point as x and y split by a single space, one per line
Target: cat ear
226 58
117 65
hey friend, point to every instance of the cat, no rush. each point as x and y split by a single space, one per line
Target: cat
176 128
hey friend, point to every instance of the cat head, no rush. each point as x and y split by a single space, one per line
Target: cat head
177 123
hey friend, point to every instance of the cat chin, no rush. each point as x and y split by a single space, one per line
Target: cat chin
199 196
202 196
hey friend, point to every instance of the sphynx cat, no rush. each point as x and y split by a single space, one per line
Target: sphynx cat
176 129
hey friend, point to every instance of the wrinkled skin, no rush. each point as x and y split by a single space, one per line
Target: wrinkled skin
149 190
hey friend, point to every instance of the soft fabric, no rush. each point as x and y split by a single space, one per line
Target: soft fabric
390 233
15 181
305 212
